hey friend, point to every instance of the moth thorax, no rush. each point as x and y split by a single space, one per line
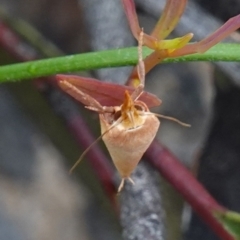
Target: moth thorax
127 118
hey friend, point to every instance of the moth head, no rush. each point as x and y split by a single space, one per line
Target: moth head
131 112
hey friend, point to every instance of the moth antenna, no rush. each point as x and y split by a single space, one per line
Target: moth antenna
84 153
170 118
92 144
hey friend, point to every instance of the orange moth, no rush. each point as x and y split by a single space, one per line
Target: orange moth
127 125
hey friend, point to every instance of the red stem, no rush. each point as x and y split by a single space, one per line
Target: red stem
15 46
185 183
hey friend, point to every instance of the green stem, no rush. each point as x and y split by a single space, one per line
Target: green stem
105 59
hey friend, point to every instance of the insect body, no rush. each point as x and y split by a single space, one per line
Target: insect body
131 136
127 125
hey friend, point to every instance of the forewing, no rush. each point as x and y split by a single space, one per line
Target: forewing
106 93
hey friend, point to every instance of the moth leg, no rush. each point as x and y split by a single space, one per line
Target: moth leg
84 98
140 70
130 180
121 185
104 109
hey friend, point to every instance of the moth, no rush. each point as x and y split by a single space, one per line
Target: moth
127 125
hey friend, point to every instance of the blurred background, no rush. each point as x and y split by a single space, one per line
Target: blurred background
39 200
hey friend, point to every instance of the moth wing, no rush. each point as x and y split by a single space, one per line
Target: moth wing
106 93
